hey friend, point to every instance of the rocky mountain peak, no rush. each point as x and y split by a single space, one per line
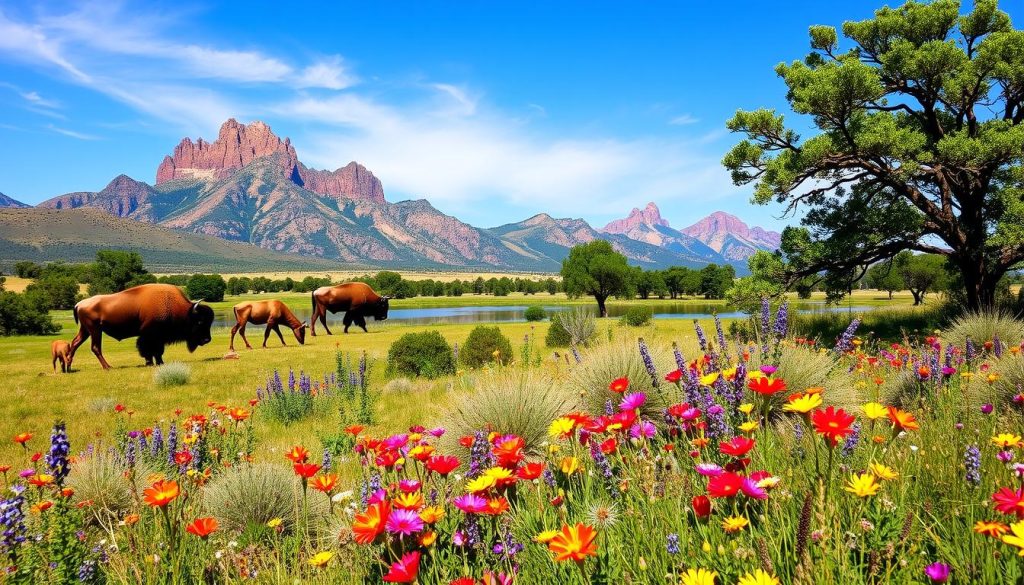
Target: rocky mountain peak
10 202
649 216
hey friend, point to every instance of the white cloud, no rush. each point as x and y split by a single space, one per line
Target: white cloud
72 133
684 120
465 104
28 43
329 74
229 65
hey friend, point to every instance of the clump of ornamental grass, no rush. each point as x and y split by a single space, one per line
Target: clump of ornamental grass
103 478
521 402
622 358
574 327
1008 384
102 404
399 386
172 374
982 326
247 497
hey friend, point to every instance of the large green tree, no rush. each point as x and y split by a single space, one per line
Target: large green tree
918 145
116 270
596 269
922 274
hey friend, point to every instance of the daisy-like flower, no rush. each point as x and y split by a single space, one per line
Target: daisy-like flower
561 427
320 559
545 536
574 543
733 524
405 569
767 386
883 472
1010 502
431 514
989 528
1006 440
749 426
874 410
619 385
404 522
1016 538
758 577
746 408
699 577
802 403
632 401
709 379
832 424
481 483
470 504
862 485
902 420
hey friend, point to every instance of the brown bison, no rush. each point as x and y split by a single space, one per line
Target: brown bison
60 351
357 299
157 314
272 314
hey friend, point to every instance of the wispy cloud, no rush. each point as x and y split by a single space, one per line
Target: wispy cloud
72 133
684 120
329 73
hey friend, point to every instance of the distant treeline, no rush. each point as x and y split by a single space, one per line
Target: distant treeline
391 283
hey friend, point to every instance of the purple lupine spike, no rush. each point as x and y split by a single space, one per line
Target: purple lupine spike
969 351
172 442
157 444
326 463
701 338
576 354
645 354
721 338
781 323
997 346
678 355
845 342
972 465
60 449
291 380
851 442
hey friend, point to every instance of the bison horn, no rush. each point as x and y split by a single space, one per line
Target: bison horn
195 304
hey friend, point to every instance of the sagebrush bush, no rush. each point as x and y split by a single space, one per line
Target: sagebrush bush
520 402
101 479
637 316
617 359
573 327
425 353
804 368
485 344
399 386
535 313
985 326
172 374
248 496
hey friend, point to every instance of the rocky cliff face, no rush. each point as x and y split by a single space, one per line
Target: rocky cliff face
649 216
237 145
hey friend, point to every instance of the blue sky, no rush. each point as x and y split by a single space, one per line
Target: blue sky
494 111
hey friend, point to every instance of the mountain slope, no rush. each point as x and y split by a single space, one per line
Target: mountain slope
75 236
647 225
10 203
731 237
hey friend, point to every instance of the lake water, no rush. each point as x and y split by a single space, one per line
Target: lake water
511 313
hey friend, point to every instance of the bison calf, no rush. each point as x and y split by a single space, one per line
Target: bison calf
271 313
60 350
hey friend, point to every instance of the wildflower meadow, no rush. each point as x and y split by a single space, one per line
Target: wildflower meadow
711 459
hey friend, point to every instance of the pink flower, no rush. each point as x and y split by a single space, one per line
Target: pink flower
404 522
470 503
632 401
751 490
395 441
376 497
708 469
409 485
644 429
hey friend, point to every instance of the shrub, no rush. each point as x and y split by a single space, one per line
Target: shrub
246 497
535 313
22 315
172 374
575 327
557 336
54 292
421 354
484 345
100 478
206 287
520 402
399 386
638 316
984 326
617 359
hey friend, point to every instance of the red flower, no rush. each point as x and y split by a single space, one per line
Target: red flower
766 386
619 385
832 424
183 458
298 454
202 527
119 408
466 441
737 446
306 470
609 446
404 570
530 471
509 452
726 485
674 376
443 464
701 506
354 430
22 438
1010 502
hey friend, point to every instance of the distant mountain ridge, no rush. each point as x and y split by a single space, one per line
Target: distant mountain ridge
10 203
249 186
731 237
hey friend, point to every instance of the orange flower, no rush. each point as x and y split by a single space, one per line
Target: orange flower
42 506
902 420
202 527
431 514
766 386
22 438
298 454
619 385
370 524
413 501
40 479
574 543
239 414
325 483
354 430
131 519
993 529
306 470
161 493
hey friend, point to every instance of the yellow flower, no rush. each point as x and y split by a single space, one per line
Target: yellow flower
803 404
428 538
431 514
546 536
730 373
699 577
709 379
883 471
498 473
1017 538
320 559
706 547
734 523
190 439
274 522
749 426
991 378
746 408
1006 440
570 465
862 485
758 577
875 411
480 484
560 427
755 375
769 482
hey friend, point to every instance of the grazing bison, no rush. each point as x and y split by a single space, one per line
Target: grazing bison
60 351
157 314
273 314
357 299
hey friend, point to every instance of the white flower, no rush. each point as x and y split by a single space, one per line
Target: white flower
341 496
232 544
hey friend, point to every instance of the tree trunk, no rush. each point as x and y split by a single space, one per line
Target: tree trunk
918 296
601 309
980 284
890 295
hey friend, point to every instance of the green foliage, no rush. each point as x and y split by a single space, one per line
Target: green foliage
424 353
715 280
680 280
482 345
22 315
557 336
883 324
206 287
649 282
172 374
637 316
923 98
886 277
766 280
54 292
535 313
922 273
574 327
116 270
596 269
984 326
27 269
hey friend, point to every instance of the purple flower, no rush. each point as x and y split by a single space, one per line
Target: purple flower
986 408
1005 456
752 490
644 429
768 370
405 522
632 401
937 572
708 469
972 465
470 504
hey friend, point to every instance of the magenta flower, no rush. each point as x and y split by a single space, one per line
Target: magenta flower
751 489
986 408
395 442
376 497
768 370
459 539
937 572
404 522
27 473
409 485
470 503
708 469
644 429
436 432
633 401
